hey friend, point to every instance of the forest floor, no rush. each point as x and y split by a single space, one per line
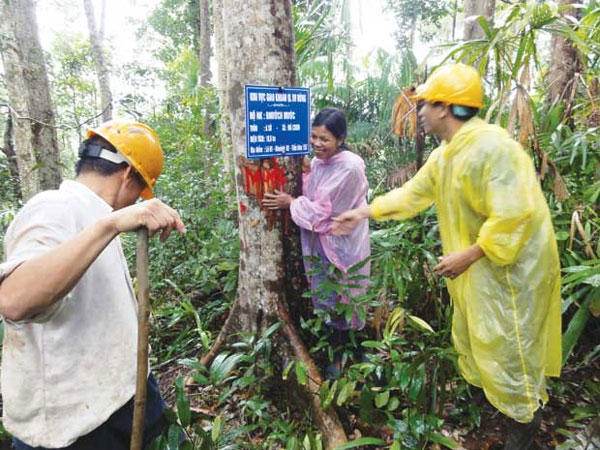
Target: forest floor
558 415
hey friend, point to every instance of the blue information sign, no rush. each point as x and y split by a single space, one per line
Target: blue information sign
277 121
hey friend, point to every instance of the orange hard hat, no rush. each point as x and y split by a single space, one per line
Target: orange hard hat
139 144
455 84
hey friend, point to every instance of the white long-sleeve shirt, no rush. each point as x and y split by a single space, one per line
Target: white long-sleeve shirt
67 369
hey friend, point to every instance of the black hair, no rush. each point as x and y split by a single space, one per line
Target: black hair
87 163
334 120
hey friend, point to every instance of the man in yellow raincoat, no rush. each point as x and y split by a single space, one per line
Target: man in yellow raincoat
500 253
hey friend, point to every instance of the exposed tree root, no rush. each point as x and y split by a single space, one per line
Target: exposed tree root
224 334
327 421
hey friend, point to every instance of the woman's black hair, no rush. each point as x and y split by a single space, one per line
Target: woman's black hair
334 120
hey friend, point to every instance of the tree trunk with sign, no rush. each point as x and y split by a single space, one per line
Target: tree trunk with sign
258 48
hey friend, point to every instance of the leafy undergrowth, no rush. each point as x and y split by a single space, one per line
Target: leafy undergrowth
243 402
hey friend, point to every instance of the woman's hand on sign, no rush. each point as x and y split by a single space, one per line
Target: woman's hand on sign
277 200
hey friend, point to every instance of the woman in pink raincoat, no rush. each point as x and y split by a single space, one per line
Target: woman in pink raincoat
336 183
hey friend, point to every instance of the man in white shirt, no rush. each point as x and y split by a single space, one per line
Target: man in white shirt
69 351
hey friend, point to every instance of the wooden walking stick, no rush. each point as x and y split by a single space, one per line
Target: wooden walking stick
141 385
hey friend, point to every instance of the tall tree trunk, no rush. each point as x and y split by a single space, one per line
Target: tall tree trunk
201 28
9 151
204 55
258 48
224 123
564 64
485 8
100 63
194 7
454 11
205 50
36 144
102 21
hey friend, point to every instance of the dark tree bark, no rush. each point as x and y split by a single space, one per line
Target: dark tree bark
564 65
9 151
36 144
205 49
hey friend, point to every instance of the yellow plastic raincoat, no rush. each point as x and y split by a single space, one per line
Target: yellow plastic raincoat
507 321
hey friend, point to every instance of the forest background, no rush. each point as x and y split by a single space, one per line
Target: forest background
244 388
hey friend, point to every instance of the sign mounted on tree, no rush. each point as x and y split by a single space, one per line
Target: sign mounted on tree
277 121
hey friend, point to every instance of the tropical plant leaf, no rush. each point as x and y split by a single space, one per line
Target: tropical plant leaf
420 323
362 441
575 328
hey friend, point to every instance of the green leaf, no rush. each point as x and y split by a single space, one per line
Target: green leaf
373 344
287 369
272 329
395 445
420 323
594 280
223 365
291 443
485 26
200 378
324 391
382 399
393 404
173 436
170 415
183 403
361 441
345 393
575 328
216 429
443 440
595 303
330 395
301 373
394 322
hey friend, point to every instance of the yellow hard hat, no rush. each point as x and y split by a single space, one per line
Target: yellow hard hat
139 144
455 84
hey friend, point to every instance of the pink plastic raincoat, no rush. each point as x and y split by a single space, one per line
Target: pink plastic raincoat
333 186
